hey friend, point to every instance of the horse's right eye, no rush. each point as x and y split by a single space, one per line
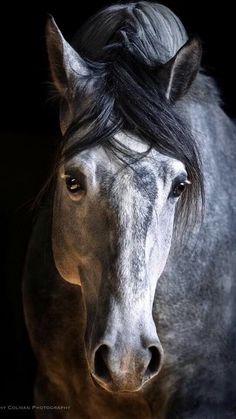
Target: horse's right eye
73 185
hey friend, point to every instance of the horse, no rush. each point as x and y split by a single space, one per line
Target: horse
130 280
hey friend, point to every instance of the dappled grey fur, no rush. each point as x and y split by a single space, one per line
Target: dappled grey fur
97 261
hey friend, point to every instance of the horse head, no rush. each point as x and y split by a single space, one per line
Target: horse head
117 194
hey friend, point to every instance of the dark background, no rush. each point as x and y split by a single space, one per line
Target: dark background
28 137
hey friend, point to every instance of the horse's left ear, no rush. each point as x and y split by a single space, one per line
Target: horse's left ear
67 67
178 74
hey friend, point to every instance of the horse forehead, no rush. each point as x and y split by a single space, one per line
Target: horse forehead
132 142
103 163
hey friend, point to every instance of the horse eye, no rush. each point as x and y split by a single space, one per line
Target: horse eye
179 188
73 184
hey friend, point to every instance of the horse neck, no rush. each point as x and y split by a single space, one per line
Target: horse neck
215 135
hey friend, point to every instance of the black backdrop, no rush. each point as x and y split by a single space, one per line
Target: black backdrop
28 133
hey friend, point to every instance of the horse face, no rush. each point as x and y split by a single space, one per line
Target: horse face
112 230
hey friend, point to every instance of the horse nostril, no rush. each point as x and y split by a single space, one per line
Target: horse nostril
108 371
101 370
155 362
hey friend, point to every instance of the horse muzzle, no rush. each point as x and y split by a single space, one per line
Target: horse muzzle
119 367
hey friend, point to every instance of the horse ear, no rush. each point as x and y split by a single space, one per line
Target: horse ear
67 67
179 73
